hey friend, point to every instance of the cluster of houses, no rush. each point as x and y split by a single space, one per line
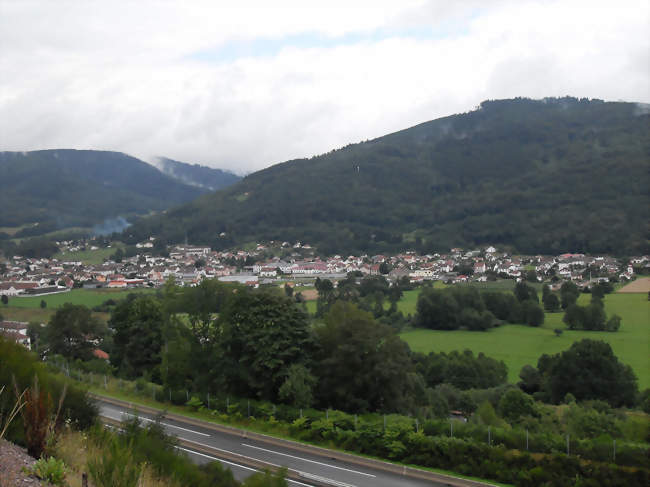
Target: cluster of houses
16 331
277 262
266 263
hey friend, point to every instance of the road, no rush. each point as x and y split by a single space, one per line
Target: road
208 445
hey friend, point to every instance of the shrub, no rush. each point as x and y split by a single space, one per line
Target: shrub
194 403
37 416
50 470
116 467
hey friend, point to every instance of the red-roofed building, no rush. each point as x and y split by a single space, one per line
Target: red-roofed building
100 354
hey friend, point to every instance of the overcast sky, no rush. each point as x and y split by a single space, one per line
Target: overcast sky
248 85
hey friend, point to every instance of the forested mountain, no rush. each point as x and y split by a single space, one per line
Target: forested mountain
196 175
64 188
541 176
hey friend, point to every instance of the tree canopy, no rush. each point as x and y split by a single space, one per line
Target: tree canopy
588 370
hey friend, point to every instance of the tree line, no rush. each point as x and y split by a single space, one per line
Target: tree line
260 343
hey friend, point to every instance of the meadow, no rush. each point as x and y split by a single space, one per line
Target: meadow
87 297
88 257
518 345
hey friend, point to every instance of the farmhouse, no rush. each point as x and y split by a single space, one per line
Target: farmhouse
16 331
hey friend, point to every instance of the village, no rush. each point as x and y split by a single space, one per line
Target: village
296 264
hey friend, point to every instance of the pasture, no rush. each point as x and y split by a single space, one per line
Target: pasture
88 257
87 297
518 345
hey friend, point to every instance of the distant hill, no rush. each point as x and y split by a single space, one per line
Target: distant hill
65 188
541 176
196 175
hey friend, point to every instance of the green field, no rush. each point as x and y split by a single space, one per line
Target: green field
88 297
311 307
518 345
36 315
88 257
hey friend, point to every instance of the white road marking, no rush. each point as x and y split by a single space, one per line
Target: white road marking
310 461
167 424
235 464
318 478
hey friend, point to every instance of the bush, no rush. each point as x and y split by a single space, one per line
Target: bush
116 467
50 470
18 368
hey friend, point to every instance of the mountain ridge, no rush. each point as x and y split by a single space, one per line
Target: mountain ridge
541 176
58 188
197 175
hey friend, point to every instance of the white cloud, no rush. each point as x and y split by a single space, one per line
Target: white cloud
126 75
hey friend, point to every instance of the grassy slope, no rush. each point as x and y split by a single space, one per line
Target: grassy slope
518 345
36 315
88 297
88 257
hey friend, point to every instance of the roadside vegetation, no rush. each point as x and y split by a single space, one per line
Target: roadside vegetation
56 421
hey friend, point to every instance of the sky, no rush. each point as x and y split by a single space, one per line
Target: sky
244 85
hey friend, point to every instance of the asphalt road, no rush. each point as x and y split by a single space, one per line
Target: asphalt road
331 471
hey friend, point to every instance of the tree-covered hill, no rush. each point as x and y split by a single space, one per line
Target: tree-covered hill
542 176
196 175
63 188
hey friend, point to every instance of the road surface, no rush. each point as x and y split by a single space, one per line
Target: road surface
208 445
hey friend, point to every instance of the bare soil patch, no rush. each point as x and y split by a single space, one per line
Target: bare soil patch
12 460
310 294
641 285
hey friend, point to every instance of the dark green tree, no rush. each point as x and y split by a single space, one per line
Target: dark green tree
462 370
298 386
551 303
532 312
138 336
361 365
524 292
514 404
531 379
261 335
568 294
588 370
71 332
4 299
